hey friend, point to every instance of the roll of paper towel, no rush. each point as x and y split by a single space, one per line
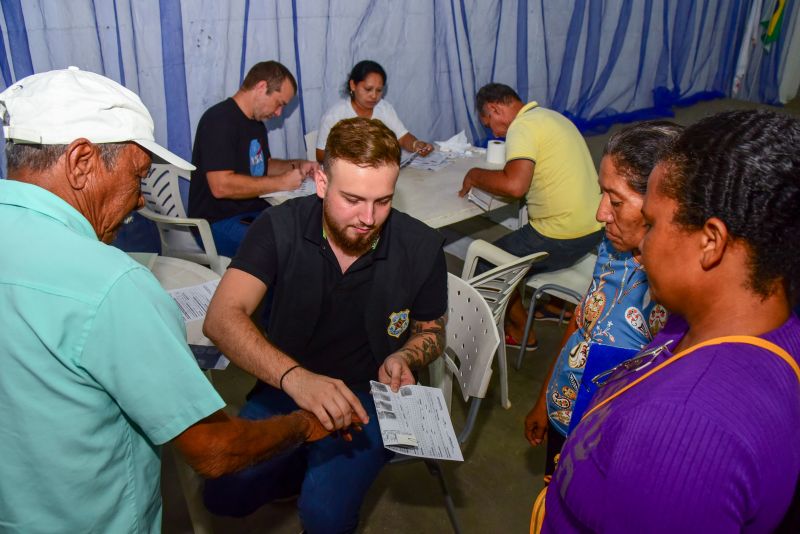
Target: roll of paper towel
496 152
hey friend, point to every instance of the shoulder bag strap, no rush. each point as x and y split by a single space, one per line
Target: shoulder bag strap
750 340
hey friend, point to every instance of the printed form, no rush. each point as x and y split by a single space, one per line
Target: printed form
193 302
415 422
307 187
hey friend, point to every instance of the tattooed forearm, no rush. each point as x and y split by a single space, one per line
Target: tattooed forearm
426 343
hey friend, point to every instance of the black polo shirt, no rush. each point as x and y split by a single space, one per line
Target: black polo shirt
339 346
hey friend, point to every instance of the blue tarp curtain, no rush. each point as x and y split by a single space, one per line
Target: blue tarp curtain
599 62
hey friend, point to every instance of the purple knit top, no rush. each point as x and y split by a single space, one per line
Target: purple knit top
710 443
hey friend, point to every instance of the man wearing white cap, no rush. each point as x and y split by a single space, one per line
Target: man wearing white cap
96 371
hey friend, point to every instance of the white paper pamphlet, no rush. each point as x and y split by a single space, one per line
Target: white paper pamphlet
194 300
307 187
480 198
415 421
406 158
432 162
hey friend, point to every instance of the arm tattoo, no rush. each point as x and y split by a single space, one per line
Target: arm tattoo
426 343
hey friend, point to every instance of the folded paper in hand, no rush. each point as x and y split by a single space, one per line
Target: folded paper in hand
415 422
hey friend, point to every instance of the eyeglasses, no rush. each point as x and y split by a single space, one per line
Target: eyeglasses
637 363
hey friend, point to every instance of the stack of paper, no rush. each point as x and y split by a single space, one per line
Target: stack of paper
480 198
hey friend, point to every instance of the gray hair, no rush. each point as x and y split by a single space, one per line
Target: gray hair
42 157
636 149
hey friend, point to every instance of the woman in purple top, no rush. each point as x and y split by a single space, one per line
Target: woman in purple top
709 441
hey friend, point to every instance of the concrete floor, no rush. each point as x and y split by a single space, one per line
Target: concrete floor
494 488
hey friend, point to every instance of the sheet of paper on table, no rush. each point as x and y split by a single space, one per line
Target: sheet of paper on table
406 158
415 422
193 302
432 162
308 187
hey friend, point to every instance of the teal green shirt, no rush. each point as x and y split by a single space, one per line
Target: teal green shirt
95 375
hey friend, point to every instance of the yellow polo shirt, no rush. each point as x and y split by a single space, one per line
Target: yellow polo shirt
564 194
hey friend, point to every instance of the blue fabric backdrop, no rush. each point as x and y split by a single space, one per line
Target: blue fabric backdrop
598 61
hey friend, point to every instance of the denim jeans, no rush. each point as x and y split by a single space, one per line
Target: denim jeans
561 252
332 476
229 233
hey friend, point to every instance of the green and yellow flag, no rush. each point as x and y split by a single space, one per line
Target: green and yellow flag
772 25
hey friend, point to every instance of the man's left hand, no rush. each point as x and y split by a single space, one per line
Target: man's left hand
395 372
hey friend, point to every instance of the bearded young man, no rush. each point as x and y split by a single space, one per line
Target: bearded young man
360 294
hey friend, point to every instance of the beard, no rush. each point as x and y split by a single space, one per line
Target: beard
353 246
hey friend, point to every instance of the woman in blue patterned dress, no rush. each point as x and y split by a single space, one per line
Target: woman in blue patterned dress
617 309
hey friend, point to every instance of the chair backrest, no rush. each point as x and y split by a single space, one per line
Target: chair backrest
311 145
164 206
472 339
496 285
161 190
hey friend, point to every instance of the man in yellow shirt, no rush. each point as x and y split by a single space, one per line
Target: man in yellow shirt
547 162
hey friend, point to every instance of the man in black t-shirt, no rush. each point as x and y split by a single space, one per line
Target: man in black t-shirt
232 157
360 294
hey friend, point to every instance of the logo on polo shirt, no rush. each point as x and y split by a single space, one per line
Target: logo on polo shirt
398 322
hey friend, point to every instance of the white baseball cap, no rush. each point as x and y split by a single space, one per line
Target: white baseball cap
59 106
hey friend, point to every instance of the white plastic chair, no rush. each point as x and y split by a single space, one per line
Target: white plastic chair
472 339
311 145
164 207
569 284
496 286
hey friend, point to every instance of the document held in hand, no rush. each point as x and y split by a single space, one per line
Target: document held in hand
415 421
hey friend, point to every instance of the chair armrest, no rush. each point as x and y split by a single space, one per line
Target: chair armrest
168 219
480 249
202 226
